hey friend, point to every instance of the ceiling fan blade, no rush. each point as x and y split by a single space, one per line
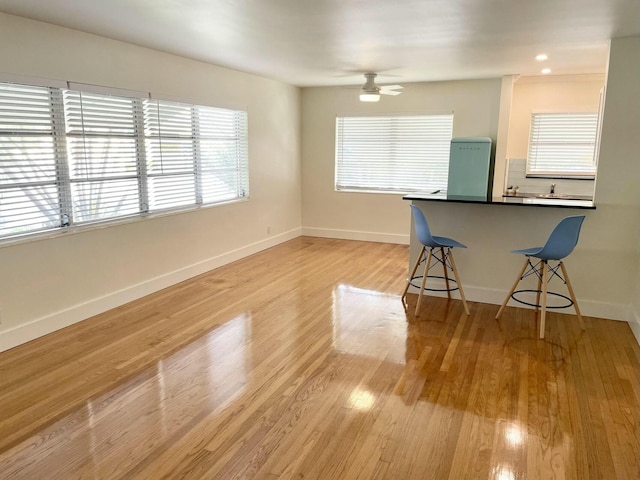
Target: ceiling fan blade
389 92
391 87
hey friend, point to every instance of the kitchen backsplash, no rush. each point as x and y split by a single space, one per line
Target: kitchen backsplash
516 175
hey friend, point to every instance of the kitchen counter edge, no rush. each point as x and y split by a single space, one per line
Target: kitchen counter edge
517 201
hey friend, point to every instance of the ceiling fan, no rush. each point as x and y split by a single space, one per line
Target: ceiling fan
370 92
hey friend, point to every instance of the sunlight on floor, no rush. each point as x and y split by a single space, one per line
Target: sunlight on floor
367 322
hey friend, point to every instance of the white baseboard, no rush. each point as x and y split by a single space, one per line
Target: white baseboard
50 323
356 235
589 308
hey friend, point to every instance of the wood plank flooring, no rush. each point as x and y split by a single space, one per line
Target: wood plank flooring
301 362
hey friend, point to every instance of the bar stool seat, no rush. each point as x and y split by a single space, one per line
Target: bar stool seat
559 245
431 247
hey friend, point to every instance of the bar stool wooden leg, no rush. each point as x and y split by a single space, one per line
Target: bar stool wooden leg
539 291
573 296
424 280
506 300
446 274
455 273
545 284
413 272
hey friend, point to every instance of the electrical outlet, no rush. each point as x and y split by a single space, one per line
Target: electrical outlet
0 316
269 230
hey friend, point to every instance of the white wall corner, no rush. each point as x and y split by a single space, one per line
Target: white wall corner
634 323
55 321
356 235
504 117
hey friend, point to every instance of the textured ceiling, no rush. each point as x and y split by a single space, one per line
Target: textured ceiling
332 42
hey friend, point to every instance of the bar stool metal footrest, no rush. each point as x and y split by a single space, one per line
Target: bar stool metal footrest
537 305
453 289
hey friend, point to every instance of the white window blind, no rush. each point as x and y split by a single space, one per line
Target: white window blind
223 153
70 157
29 158
103 155
562 144
170 147
393 153
195 152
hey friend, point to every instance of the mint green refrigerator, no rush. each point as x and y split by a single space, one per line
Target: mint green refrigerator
470 169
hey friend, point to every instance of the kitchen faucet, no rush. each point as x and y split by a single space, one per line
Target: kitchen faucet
552 190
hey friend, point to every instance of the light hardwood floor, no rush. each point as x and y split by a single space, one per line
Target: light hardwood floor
301 362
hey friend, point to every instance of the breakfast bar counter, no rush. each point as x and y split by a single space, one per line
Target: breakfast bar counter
523 200
491 232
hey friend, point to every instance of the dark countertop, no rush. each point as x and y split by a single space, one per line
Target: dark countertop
523 200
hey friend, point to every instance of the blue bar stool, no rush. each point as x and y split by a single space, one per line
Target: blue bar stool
435 246
559 245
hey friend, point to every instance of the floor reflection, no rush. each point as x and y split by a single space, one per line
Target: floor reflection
515 435
503 472
229 358
428 354
503 383
204 376
361 399
369 323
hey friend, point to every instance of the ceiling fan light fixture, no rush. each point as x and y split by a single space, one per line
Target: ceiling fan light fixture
370 92
369 97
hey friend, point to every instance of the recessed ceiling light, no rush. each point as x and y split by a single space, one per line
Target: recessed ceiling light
541 57
545 71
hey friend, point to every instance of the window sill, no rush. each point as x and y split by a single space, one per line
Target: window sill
383 192
560 176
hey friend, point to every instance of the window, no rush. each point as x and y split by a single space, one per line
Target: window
102 155
69 157
393 153
562 144
29 191
171 159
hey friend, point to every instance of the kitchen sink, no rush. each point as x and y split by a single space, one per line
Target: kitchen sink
552 195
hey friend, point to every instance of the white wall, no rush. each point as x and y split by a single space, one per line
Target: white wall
380 217
618 182
500 164
51 283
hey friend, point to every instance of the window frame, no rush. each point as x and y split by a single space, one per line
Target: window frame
64 181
